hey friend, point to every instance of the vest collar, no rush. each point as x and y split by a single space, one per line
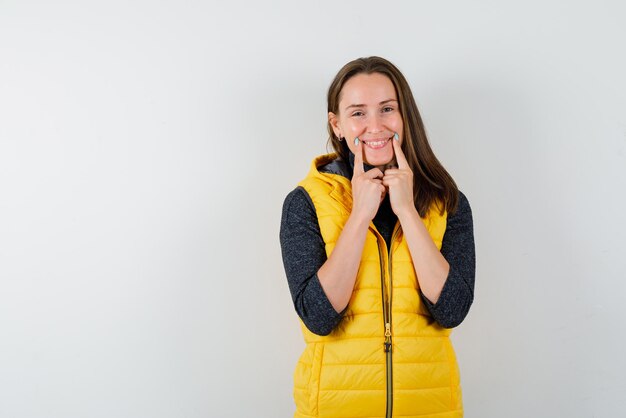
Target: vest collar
337 174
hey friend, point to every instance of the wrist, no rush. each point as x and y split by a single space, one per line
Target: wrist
408 213
358 221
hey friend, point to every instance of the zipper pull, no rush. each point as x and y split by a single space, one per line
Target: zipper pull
387 337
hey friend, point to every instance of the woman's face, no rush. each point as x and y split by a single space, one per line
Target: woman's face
369 110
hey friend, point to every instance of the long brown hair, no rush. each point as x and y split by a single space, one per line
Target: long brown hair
432 183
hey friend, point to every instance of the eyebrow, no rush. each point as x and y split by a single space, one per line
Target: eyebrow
363 105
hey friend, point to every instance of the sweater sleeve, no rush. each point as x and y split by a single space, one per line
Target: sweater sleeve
458 249
303 252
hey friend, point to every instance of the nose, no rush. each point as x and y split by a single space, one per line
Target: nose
375 124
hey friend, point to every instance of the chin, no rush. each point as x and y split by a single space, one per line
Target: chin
378 160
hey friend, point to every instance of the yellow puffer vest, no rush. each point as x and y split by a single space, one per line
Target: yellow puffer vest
378 362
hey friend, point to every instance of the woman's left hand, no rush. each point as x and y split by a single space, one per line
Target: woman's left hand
399 181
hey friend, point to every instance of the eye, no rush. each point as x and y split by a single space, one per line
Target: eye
387 109
357 113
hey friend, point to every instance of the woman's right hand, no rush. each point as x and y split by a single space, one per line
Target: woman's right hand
367 188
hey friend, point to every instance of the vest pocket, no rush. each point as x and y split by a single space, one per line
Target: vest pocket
316 371
307 379
456 402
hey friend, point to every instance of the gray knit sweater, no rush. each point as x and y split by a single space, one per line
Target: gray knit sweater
304 253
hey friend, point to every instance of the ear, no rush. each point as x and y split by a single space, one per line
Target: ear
334 123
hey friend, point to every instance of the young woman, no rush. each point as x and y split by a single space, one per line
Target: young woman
378 249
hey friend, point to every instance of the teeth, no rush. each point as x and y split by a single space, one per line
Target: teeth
377 143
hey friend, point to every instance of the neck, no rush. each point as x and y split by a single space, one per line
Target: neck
367 167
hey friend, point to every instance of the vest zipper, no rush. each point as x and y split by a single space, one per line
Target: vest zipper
386 299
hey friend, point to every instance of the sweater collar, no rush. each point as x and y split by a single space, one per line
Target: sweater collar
351 158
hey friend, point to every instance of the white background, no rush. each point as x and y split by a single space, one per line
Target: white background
146 148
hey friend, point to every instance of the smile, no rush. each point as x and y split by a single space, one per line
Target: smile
377 144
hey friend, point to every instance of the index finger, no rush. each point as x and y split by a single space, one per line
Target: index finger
400 158
358 158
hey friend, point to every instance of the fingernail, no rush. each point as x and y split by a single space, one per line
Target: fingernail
356 141
396 137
